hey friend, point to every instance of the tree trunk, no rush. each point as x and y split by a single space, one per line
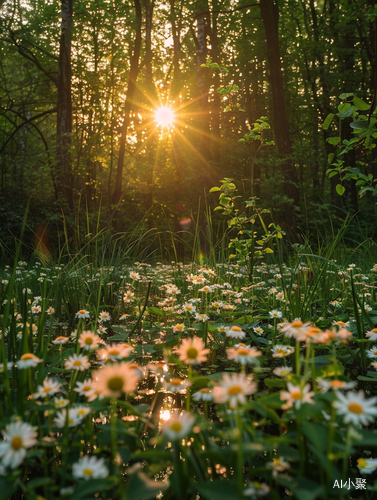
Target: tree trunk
64 108
134 71
270 17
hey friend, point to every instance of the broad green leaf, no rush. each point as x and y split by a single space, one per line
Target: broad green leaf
360 125
362 105
328 120
333 140
214 189
217 490
156 311
141 487
340 189
90 488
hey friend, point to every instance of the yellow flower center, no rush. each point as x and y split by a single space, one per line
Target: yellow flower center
26 356
176 426
205 389
114 352
175 381
296 394
81 412
88 341
86 388
279 351
355 408
340 323
82 311
234 390
61 338
296 324
46 389
88 472
337 383
115 383
235 328
362 462
77 363
16 443
243 352
70 421
192 353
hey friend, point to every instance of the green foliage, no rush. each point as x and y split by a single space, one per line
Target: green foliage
248 245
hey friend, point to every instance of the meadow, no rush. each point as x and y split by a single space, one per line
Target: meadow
161 380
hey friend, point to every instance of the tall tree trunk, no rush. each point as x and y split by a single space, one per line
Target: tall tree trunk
216 103
134 71
270 17
64 108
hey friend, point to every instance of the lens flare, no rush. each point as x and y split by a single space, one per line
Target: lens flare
164 116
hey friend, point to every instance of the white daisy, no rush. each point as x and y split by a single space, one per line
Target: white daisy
18 437
355 408
90 467
178 427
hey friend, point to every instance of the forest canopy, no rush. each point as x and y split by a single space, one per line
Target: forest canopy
242 88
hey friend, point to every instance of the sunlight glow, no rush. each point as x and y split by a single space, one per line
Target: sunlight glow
164 116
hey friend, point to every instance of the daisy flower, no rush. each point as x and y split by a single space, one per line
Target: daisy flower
258 330
256 490
203 394
104 316
60 340
282 371
235 332
36 309
355 408
134 276
367 465
114 380
28 360
372 335
101 329
280 351
176 384
77 362
275 314
116 351
84 387
89 340
296 396
335 384
372 353
297 329
233 389
82 314
90 467
18 437
73 418
124 316
49 388
243 354
192 351
278 465
60 402
179 327
189 308
178 427
82 411
201 317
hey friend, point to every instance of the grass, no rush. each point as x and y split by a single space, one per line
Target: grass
271 409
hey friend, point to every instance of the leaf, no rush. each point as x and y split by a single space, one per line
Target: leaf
340 189
274 382
328 120
141 487
214 189
156 311
217 490
360 125
334 141
321 360
362 105
90 488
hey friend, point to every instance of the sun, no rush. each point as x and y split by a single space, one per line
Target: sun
164 116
